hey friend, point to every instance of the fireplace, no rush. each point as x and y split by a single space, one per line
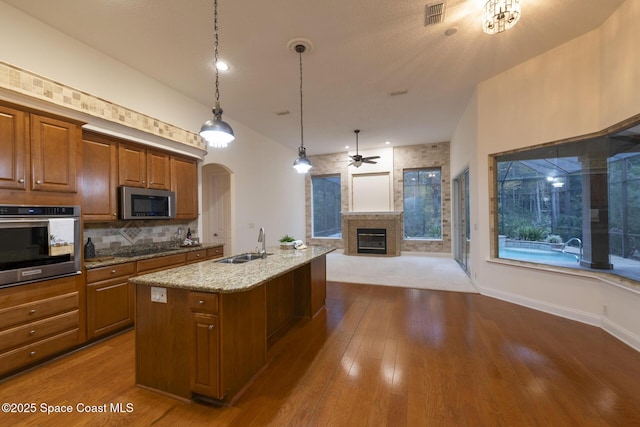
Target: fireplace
372 241
389 223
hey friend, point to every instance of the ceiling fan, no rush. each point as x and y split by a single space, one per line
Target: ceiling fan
357 160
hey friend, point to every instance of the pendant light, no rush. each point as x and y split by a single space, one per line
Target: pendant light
301 164
216 132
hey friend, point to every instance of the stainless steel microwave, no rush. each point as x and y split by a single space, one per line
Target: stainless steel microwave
146 203
39 243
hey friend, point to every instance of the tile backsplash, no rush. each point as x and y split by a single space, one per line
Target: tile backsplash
113 237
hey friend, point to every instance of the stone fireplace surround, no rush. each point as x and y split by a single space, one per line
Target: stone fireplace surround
390 221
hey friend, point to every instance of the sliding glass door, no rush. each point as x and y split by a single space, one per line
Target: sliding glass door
462 232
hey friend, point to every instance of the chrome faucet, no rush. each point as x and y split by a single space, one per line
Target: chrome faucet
262 238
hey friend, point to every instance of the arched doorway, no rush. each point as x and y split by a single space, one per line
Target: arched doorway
217 209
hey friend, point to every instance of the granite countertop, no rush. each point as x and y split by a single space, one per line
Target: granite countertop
212 276
143 253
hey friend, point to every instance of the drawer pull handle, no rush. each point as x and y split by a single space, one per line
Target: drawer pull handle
211 327
32 311
38 182
113 272
21 180
32 332
197 255
201 302
33 353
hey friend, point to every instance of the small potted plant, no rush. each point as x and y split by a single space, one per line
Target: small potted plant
286 242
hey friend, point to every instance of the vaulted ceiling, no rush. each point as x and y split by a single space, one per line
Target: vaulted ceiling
374 65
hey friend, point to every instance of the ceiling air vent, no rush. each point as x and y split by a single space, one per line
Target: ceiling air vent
434 13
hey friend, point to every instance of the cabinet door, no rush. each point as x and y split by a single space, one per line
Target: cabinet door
158 170
13 144
132 166
54 150
99 178
110 306
205 369
184 182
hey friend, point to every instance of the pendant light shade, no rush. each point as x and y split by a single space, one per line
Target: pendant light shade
301 164
216 132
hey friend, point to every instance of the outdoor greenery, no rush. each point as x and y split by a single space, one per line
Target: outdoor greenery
422 204
541 200
326 194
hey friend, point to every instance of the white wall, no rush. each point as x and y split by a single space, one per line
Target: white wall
580 87
268 191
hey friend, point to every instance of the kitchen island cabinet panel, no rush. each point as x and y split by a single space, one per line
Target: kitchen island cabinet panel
163 361
281 309
205 375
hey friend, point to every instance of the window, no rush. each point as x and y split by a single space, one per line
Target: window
573 205
326 205
422 204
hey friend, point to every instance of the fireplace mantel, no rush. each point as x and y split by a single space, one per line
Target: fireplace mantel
391 221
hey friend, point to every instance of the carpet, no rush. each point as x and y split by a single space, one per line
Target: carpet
420 271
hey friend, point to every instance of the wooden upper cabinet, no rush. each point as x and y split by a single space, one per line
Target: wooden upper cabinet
14 132
158 170
184 182
139 167
132 165
54 151
99 181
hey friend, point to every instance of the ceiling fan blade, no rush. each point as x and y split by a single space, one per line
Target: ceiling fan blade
372 157
368 161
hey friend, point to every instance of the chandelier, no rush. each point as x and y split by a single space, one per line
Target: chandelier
500 15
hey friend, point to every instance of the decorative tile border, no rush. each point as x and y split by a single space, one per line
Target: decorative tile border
36 86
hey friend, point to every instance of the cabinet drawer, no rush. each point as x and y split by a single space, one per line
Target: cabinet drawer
216 252
203 302
104 273
159 263
28 354
34 331
38 309
195 256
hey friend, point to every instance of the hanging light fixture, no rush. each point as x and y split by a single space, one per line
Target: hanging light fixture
301 164
216 132
500 15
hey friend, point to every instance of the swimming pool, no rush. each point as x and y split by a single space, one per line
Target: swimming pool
540 256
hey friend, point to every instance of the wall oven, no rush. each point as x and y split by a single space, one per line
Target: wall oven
38 243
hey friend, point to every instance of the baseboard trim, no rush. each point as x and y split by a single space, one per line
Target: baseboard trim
619 332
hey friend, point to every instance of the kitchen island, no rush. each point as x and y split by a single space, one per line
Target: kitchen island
203 330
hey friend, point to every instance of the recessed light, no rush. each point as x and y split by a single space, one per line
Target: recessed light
346 146
222 66
387 142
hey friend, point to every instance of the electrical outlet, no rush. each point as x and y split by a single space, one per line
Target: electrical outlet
158 294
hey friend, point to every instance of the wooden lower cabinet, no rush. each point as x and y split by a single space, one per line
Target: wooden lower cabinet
110 299
38 321
205 353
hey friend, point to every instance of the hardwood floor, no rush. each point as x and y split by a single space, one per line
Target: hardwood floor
377 356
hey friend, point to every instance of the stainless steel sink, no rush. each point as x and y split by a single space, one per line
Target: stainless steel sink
240 259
